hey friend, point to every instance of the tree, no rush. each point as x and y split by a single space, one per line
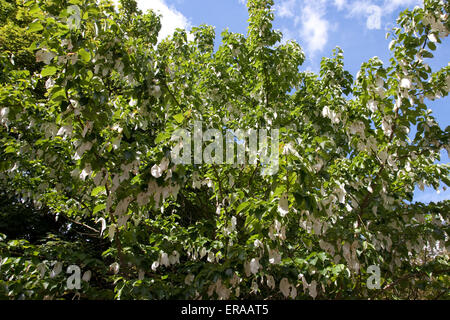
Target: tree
95 149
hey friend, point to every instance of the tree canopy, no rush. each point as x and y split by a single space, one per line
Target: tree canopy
89 105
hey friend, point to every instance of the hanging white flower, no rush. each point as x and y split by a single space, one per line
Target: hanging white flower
87 276
87 128
111 232
65 131
405 83
122 220
317 226
385 125
274 256
340 192
196 182
122 206
282 234
202 252
407 167
164 164
293 294
254 265
211 257
318 165
432 38
114 267
42 268
247 268
383 156
85 146
85 172
290 149
283 205
379 82
156 171
56 269
257 243
325 112
235 280
222 292
211 289
164 259
271 233
116 143
133 102
189 279
231 178
73 57
235 51
155 265
4 112
49 83
254 287
143 198
285 287
270 282
102 220
174 257
44 56
208 182
373 105
313 289
233 223
155 91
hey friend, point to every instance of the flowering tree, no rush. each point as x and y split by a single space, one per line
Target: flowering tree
87 137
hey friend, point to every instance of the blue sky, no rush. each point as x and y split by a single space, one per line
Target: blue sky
357 26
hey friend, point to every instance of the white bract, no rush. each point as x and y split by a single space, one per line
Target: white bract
44 56
405 83
283 205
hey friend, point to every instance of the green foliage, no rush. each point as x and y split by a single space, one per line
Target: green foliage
86 126
15 39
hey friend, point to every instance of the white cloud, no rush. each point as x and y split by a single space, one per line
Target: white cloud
374 18
371 12
314 26
374 11
288 35
171 18
392 5
340 4
286 8
309 22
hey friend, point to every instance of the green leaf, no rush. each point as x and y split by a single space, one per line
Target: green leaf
179 117
58 94
48 71
427 54
84 55
10 149
242 206
99 207
35 26
97 190
34 10
431 45
161 137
